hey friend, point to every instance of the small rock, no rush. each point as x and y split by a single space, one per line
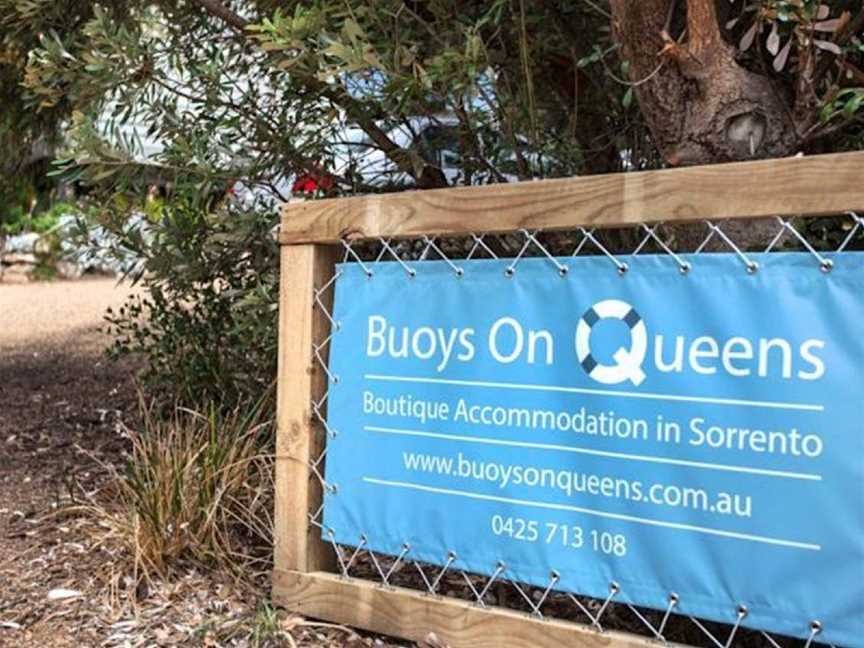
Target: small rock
69 270
61 594
19 258
22 243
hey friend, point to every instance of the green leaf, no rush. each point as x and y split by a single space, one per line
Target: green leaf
627 100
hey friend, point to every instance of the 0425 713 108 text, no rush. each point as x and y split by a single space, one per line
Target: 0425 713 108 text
567 535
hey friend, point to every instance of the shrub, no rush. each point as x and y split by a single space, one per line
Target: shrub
206 322
14 204
24 202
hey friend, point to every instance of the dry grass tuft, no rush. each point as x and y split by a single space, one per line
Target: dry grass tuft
198 487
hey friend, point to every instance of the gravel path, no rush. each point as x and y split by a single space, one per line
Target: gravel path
59 314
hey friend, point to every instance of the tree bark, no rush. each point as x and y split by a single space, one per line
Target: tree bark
701 106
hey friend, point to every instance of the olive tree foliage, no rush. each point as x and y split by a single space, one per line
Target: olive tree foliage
261 89
20 126
26 135
248 96
537 89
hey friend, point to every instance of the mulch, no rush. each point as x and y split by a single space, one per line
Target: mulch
62 411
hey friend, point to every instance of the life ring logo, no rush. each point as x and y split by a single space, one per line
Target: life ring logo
628 362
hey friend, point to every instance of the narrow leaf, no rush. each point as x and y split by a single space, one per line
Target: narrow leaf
827 25
853 106
749 36
628 98
783 56
828 46
60 594
773 43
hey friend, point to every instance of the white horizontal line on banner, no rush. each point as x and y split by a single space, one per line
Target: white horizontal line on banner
604 514
599 453
804 407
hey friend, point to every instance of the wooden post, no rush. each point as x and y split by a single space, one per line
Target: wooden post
298 545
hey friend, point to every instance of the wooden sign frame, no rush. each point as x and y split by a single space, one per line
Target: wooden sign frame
305 579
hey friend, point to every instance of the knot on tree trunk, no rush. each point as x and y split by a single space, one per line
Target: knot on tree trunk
702 106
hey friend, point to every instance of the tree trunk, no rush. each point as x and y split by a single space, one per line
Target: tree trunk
701 105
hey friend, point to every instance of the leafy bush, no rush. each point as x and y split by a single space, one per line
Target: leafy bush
44 272
14 201
17 219
25 189
198 488
206 321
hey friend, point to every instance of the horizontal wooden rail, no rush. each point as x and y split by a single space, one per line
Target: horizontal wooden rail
819 185
413 615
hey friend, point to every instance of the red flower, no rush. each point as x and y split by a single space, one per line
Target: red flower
305 184
312 181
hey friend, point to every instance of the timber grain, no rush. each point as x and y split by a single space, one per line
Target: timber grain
818 185
298 543
400 612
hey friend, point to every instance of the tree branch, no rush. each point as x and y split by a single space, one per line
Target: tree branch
222 12
703 25
426 176
473 146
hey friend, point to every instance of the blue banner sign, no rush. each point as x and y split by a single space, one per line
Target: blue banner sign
698 434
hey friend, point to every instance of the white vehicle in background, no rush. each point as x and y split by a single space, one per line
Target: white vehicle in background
434 139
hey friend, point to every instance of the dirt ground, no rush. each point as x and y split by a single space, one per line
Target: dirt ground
59 405
61 408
